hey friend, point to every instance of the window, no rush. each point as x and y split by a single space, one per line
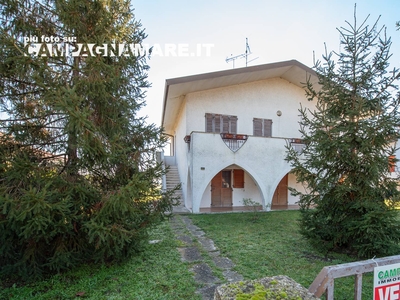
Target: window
297 144
238 179
226 179
262 127
221 123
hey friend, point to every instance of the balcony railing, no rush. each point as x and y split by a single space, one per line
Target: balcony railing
234 141
297 144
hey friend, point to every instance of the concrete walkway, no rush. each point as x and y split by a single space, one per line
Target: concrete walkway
202 256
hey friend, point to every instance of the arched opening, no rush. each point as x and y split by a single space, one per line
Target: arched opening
282 198
227 190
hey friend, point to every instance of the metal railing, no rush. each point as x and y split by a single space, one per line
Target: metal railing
324 282
234 141
161 159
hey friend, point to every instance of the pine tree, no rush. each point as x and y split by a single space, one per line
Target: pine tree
77 166
350 142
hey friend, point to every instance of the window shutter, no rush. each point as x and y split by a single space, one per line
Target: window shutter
233 128
209 122
221 123
225 124
257 127
238 179
262 127
217 123
267 128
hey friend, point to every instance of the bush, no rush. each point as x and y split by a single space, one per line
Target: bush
364 229
51 222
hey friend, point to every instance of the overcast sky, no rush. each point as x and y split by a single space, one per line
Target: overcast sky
209 31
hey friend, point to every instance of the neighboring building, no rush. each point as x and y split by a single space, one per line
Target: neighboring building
228 134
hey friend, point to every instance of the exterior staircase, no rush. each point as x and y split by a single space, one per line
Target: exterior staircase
172 180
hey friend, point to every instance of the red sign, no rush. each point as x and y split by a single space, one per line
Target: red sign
387 282
387 292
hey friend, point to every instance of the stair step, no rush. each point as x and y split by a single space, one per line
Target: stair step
172 180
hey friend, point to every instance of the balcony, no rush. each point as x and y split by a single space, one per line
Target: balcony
297 144
204 140
234 141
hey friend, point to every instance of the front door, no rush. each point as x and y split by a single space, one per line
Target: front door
221 189
280 199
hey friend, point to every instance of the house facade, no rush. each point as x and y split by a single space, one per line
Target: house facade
229 132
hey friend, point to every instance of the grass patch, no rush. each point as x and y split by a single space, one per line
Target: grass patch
156 273
267 246
271 246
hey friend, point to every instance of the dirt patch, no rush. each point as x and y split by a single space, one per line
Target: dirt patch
312 257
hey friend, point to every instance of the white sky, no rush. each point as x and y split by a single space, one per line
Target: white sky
276 31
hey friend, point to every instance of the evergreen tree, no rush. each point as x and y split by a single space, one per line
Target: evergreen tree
350 142
78 178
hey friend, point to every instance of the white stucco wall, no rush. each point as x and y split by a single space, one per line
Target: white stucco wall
181 154
260 99
260 157
263 158
250 190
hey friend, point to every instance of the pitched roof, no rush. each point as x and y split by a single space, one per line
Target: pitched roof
176 88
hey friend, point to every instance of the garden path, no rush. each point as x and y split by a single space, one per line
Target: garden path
200 253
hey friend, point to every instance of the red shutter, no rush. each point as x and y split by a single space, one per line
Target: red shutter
238 179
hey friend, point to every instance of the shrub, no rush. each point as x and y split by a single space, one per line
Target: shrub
51 222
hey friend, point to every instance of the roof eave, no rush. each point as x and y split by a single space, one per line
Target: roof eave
232 73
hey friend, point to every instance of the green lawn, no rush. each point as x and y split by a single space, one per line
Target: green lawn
271 245
157 273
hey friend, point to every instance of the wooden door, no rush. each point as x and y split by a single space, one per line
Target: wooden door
281 193
221 189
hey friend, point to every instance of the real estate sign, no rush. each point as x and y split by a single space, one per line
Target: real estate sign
387 282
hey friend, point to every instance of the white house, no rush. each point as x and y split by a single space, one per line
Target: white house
229 130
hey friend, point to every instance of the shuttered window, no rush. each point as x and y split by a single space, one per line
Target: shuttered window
221 123
262 127
238 179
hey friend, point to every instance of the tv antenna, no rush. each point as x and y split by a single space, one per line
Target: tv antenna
243 55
